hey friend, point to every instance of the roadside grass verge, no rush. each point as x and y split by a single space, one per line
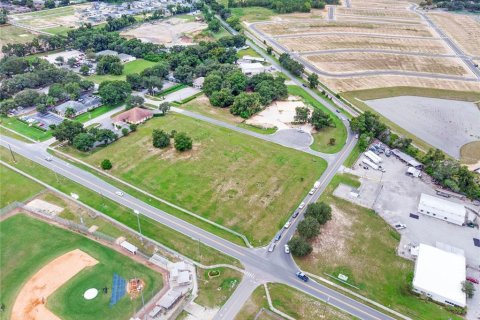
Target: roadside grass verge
322 138
16 187
368 257
215 286
8 133
154 230
248 52
23 128
243 183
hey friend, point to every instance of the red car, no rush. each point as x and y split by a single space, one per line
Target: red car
473 280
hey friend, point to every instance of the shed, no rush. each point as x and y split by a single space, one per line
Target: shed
409 160
169 299
439 275
442 209
129 247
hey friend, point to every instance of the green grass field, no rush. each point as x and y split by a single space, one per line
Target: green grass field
28 244
156 231
215 291
8 133
322 138
248 52
228 177
368 257
253 13
84 117
23 128
16 187
59 31
12 34
135 66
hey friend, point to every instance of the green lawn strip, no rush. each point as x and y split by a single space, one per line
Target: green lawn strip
89 115
241 182
222 33
214 290
154 230
302 306
28 244
23 128
248 52
16 187
160 205
372 263
135 66
8 133
322 138
252 14
176 87
353 156
59 31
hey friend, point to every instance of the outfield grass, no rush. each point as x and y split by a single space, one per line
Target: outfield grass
251 14
28 244
16 187
321 139
135 66
368 257
354 98
89 115
156 231
215 291
23 128
238 181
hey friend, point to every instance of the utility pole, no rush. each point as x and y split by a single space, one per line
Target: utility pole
11 152
139 227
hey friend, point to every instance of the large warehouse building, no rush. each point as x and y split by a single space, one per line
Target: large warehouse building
442 209
439 275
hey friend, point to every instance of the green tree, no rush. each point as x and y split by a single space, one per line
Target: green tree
84 69
468 289
308 228
42 108
133 127
164 107
160 139
135 80
49 4
70 112
106 164
245 105
182 142
71 62
83 141
301 114
299 247
269 50
320 119
213 82
26 98
125 132
109 65
214 25
134 101
313 80
222 98
67 130
152 83
321 211
73 90
114 92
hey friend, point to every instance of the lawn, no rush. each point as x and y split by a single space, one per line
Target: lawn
8 133
291 301
216 285
356 97
365 251
23 128
12 34
84 117
322 138
228 177
27 244
156 231
248 52
251 14
59 31
16 187
135 66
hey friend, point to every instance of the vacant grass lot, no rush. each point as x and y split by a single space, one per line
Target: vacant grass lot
135 66
84 117
12 34
214 290
294 303
8 133
16 187
235 180
156 231
23 128
252 14
321 138
28 244
365 251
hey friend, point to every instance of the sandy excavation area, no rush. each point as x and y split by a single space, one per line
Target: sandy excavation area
30 302
280 114
174 31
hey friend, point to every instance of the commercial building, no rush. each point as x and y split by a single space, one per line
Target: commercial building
251 69
133 116
442 209
439 275
87 103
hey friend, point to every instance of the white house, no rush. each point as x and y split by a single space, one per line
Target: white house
251 69
439 275
442 209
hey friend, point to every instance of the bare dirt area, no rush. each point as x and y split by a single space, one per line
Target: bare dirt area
362 61
463 29
306 27
385 81
280 114
174 31
378 12
330 42
30 302
470 155
379 4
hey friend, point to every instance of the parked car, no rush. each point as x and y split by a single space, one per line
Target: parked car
302 276
312 191
399 226
287 249
302 205
296 213
271 247
119 193
304 85
287 225
473 280
278 236
48 158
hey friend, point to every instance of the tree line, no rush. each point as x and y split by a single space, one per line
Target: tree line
456 5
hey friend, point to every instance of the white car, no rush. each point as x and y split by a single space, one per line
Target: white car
271 247
119 193
47 158
287 225
312 191
302 205
287 249
399 226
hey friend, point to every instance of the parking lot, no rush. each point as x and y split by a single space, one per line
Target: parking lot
43 120
394 195
181 94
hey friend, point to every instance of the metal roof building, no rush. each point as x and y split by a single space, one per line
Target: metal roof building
439 275
442 209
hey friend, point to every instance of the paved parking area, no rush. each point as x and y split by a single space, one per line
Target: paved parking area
44 120
181 94
394 195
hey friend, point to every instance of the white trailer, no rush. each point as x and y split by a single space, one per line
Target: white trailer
370 163
316 185
372 156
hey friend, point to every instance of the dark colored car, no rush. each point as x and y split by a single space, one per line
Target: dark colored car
302 276
278 236
296 213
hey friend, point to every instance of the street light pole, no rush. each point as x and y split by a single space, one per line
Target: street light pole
138 221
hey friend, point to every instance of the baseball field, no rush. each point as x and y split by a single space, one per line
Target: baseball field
46 271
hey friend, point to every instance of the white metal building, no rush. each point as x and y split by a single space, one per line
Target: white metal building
442 209
439 275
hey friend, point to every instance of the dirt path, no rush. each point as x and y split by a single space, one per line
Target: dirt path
30 302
